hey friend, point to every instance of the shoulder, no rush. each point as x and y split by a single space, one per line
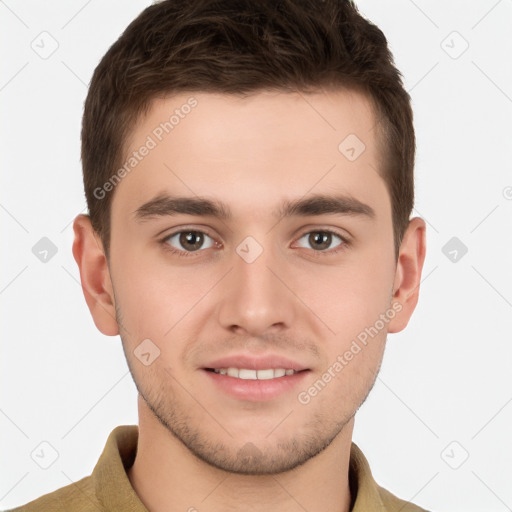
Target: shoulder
76 497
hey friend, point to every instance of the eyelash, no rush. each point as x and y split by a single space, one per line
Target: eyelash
185 254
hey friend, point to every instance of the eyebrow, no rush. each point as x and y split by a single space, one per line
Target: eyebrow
318 204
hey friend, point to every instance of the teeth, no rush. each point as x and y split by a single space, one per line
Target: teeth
267 374
233 372
245 374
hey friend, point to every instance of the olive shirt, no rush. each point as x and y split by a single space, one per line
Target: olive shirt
108 487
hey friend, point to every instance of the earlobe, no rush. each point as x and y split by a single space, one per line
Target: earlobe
408 273
94 275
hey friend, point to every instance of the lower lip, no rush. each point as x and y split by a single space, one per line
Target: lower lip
256 390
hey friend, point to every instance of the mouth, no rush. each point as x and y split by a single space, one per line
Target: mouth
261 382
250 374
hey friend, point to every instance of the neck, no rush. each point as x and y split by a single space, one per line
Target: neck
167 476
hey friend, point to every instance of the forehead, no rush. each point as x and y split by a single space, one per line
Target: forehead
251 150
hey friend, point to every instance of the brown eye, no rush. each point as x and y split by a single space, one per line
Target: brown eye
189 241
320 241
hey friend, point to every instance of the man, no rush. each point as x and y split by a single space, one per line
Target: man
248 168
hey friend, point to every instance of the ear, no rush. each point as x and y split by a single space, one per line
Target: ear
406 286
95 275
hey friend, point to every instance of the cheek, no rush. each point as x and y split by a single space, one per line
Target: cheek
141 296
347 298
154 297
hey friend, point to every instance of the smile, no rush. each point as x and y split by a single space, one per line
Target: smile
247 374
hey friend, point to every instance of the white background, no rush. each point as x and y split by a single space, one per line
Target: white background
445 378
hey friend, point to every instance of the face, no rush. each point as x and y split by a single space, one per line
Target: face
282 282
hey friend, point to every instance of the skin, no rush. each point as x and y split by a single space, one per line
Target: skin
296 300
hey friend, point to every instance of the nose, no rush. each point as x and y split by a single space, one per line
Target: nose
256 295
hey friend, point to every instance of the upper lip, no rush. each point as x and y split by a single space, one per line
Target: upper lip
256 363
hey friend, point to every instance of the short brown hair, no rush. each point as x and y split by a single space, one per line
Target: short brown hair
242 47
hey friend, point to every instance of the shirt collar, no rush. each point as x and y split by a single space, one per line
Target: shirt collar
111 483
362 484
115 492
